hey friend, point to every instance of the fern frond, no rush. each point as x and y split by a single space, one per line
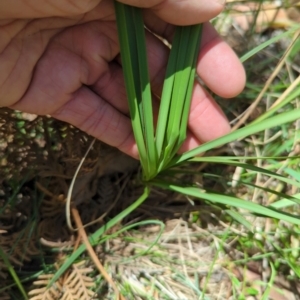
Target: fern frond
77 285
44 293
21 245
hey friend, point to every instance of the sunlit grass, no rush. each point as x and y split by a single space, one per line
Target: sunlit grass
157 150
257 207
160 151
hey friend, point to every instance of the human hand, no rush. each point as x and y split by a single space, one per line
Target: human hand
61 58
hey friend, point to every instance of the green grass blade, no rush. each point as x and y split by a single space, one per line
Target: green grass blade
285 202
196 32
240 219
294 173
175 121
238 134
293 199
293 95
270 285
156 152
126 52
223 160
230 201
13 273
95 236
146 111
134 60
139 224
269 42
180 82
165 104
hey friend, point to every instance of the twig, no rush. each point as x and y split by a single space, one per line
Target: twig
68 200
59 244
92 253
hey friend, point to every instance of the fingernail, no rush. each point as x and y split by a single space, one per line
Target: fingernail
221 1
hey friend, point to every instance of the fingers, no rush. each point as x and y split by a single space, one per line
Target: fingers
82 55
218 66
76 59
78 56
181 12
206 120
95 116
221 71
173 11
111 87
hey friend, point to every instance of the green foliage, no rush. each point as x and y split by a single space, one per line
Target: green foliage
163 168
157 150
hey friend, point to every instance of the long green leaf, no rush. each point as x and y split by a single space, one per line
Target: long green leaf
285 202
95 236
146 111
239 134
165 104
127 52
13 273
176 99
240 218
293 95
134 60
139 224
269 42
231 201
156 152
223 160
195 44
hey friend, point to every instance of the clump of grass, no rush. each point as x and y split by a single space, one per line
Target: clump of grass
260 198
158 152
158 147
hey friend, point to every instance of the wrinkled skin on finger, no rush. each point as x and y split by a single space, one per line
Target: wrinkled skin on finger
62 59
172 11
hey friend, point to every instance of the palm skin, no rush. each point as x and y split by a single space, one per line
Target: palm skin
62 59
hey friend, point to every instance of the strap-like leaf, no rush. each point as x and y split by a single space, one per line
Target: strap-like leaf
156 153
